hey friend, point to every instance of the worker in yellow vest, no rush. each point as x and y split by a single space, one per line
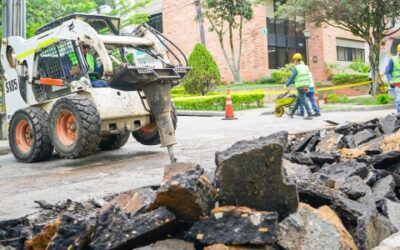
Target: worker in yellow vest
92 67
301 77
91 63
393 76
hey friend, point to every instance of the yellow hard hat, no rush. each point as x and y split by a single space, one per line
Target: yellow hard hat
398 48
297 56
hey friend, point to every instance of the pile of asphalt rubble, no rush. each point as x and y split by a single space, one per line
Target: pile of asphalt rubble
332 189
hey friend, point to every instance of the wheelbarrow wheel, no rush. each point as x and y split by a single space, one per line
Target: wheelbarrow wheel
279 112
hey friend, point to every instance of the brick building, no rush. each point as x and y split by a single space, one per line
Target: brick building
268 43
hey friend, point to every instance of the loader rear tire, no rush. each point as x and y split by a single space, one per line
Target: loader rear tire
114 141
75 127
148 135
29 135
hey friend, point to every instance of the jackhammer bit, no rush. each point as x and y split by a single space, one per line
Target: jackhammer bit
159 99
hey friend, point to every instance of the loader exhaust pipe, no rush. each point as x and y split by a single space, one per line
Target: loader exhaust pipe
159 99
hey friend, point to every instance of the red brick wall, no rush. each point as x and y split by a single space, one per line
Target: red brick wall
179 25
322 47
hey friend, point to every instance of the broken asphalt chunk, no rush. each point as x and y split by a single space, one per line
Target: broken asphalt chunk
250 174
115 230
235 225
311 228
186 192
73 233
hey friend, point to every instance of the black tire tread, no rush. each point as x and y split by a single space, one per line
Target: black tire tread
154 139
91 124
42 146
114 141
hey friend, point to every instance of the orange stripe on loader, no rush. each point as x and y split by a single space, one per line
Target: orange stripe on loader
51 81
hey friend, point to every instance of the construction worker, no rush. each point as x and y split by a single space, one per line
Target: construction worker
311 96
92 67
393 76
301 77
89 57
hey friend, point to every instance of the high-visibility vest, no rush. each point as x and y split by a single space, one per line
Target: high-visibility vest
91 62
396 69
303 76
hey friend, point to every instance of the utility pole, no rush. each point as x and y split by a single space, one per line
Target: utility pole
200 20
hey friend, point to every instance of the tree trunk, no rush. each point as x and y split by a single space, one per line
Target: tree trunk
236 75
374 56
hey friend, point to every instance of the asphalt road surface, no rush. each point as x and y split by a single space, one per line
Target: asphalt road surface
135 165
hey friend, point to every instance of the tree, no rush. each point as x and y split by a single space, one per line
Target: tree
371 20
204 74
127 10
226 17
41 12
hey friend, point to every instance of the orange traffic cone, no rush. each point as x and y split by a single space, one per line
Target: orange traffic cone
229 107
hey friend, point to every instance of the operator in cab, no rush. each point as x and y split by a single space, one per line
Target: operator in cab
93 68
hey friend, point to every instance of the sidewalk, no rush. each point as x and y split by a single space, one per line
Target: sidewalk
325 108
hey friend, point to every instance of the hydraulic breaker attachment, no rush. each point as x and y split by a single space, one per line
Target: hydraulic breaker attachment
159 99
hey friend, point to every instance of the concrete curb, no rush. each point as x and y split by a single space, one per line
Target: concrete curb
270 111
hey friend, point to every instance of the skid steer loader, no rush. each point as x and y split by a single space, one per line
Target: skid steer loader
52 96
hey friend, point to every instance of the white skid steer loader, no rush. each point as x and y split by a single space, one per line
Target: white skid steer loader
56 100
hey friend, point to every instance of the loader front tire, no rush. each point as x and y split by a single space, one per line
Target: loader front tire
29 135
114 141
75 127
148 135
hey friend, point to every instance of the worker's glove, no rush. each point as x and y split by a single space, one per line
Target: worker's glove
391 84
284 86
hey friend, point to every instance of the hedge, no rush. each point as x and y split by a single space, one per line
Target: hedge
240 100
280 77
349 78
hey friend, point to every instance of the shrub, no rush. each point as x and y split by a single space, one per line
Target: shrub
204 74
333 98
240 100
280 76
263 80
349 78
384 99
359 66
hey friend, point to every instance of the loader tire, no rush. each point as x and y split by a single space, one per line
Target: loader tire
114 141
75 127
29 135
148 135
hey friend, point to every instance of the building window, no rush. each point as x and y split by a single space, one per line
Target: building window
350 54
156 22
284 40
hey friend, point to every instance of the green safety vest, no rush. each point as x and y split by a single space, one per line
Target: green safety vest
396 69
303 77
90 61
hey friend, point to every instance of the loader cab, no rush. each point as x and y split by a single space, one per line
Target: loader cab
104 25
57 66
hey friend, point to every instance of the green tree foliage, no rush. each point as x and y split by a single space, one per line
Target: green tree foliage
41 12
359 66
204 75
126 9
372 20
226 16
